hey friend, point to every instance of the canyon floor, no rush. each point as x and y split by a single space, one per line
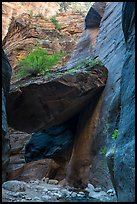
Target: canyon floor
50 191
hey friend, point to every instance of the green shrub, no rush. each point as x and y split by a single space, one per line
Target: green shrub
114 136
89 62
55 22
37 62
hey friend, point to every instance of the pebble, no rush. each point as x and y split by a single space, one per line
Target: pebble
53 181
57 194
110 191
36 198
45 190
22 200
81 193
15 194
97 189
64 192
97 195
74 194
36 182
90 186
46 179
28 198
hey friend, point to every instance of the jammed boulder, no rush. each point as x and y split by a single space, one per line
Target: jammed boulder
36 104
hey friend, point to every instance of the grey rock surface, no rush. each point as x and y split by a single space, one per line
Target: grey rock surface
117 110
6 76
124 160
110 49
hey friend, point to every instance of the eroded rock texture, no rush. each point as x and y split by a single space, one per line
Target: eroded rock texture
13 9
57 99
6 75
124 160
40 103
117 111
26 31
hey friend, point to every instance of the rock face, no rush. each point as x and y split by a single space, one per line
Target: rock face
111 51
55 99
13 9
18 140
26 31
75 89
6 75
124 160
117 110
92 19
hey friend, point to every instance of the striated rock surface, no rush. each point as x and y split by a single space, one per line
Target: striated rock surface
111 50
6 76
124 160
18 140
54 98
13 9
26 32
117 110
86 43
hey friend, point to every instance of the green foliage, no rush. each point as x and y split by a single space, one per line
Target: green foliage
103 150
55 22
114 136
37 62
82 66
89 62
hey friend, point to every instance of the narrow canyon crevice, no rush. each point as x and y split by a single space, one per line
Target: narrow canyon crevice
71 124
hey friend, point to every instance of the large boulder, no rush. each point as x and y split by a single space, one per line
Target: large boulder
36 104
37 170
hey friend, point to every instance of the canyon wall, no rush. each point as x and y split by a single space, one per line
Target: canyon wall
13 9
115 47
99 154
6 76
